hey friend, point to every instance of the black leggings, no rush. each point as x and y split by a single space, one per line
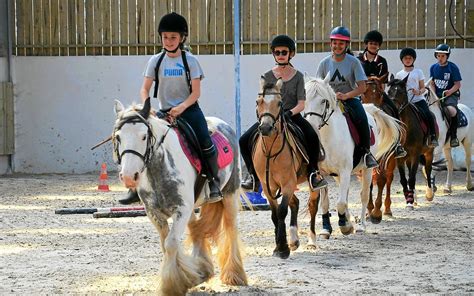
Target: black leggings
312 143
357 114
197 121
426 114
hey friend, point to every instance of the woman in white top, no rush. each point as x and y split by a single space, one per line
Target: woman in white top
416 89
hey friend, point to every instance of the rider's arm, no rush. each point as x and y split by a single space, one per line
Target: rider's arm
192 98
145 89
361 87
298 108
452 90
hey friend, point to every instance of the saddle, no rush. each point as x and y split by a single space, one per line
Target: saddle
462 119
192 150
424 121
295 137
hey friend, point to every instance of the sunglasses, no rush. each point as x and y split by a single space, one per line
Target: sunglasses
282 53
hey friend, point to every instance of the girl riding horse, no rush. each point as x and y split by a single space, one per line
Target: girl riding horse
293 96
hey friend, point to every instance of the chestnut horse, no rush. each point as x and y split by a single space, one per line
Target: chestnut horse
415 143
383 175
280 167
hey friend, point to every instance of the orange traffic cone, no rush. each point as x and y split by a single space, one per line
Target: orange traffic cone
103 186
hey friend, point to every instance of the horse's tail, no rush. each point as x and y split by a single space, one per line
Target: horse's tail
390 132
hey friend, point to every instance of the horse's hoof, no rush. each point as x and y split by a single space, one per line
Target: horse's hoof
409 206
470 188
311 246
375 219
325 234
294 245
347 229
281 254
388 214
435 188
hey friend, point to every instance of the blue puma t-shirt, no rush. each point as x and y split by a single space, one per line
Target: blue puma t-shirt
173 86
444 76
343 75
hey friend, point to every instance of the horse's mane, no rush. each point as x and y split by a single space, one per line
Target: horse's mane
319 86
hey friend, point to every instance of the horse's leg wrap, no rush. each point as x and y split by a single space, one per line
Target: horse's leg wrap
327 222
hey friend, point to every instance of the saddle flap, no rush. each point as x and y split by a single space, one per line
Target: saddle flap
296 140
355 134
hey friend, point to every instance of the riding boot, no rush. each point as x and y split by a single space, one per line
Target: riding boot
251 182
433 141
400 151
210 156
370 161
453 131
132 197
316 180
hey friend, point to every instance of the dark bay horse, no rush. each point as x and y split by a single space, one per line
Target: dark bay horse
383 175
280 167
415 143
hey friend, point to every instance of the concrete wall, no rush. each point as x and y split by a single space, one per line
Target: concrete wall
64 105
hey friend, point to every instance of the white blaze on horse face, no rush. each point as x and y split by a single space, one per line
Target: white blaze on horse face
133 136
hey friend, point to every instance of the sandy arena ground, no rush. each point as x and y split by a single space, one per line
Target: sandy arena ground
425 251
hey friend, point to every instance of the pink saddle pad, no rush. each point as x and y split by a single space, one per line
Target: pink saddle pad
224 151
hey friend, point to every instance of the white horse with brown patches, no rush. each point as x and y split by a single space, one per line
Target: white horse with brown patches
153 162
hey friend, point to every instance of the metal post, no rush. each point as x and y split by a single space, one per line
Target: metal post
237 65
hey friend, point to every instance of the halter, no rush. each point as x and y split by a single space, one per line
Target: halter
151 141
324 116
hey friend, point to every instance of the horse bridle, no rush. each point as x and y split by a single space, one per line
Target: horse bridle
151 140
324 116
275 119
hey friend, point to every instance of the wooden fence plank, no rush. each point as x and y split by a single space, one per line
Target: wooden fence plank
337 19
469 24
355 19
411 22
430 24
72 27
272 19
291 20
124 27
281 18
364 26
460 21
37 28
318 32
115 27
63 28
141 27
89 26
46 26
212 25
264 27
300 26
373 17
420 26
106 27
382 28
55 28
440 18
255 27
245 25
220 26
326 19
392 24
229 27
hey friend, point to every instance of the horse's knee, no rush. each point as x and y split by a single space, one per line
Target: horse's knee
171 246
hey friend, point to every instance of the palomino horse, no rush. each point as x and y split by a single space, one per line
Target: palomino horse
415 143
153 162
280 167
324 113
383 175
465 136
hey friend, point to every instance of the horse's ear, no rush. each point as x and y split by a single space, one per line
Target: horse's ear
406 78
327 78
279 84
307 78
391 77
383 78
118 107
145 112
262 83
427 83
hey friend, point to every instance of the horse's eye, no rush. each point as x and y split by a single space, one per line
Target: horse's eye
259 101
143 137
117 138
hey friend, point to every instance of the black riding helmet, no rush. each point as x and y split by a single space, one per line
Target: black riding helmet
408 51
173 22
374 36
284 40
443 48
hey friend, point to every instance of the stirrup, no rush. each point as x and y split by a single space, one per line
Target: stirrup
433 142
400 152
454 142
320 183
370 161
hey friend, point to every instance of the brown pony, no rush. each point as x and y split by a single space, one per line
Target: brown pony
383 175
280 167
415 144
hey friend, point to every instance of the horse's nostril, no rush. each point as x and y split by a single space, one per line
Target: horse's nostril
135 177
